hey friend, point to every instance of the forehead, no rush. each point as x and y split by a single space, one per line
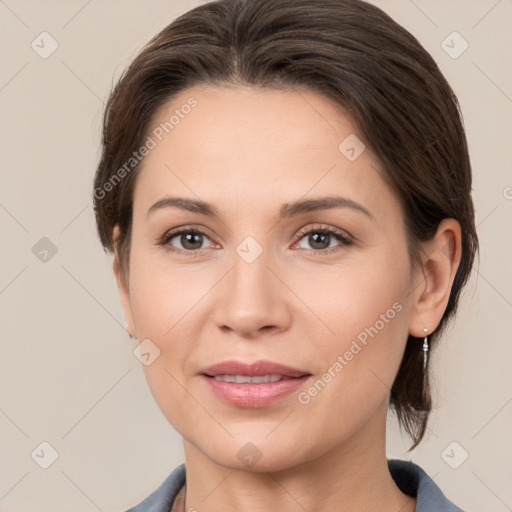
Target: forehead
243 142
249 118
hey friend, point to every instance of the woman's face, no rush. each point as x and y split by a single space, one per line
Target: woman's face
324 289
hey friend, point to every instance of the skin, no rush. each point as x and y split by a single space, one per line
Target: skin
247 152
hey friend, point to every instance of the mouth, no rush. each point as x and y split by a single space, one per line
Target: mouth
247 379
257 384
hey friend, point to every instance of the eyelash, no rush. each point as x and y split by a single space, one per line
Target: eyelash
345 240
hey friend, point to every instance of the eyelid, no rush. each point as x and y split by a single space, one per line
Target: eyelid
324 228
342 236
189 228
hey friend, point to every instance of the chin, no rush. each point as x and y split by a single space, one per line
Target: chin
246 453
265 464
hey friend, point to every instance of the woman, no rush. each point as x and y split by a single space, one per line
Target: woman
286 188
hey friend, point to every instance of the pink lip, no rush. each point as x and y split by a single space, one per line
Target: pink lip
252 370
253 395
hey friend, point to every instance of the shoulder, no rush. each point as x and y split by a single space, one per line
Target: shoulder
162 499
412 480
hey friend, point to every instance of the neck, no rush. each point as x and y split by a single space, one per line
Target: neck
350 477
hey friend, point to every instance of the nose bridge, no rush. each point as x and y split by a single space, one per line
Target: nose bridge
250 278
250 273
251 297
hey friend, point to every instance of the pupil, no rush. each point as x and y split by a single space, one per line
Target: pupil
319 238
191 240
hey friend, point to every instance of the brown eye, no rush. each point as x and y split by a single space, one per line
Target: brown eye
319 240
323 240
185 240
191 241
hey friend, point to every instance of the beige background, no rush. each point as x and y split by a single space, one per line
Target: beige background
68 374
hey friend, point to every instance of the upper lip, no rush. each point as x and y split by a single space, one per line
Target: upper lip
257 368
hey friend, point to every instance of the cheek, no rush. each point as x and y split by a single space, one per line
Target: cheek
357 294
359 344
163 311
168 307
163 297
357 365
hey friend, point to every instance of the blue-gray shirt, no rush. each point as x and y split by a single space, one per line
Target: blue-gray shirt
409 478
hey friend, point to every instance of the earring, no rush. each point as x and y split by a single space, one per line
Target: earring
425 349
132 337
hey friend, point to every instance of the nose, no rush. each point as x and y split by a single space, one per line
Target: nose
252 300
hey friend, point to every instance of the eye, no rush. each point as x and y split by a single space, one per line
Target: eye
185 240
323 240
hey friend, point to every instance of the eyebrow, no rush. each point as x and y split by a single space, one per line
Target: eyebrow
287 209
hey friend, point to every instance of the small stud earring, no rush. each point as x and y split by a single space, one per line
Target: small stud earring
132 337
425 349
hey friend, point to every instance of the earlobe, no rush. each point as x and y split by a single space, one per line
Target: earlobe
439 266
122 286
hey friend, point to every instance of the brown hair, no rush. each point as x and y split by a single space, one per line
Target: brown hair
352 53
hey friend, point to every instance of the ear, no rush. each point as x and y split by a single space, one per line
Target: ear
434 280
122 286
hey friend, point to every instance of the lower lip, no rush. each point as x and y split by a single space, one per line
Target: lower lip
254 395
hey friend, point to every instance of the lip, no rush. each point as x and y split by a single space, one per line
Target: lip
254 369
251 394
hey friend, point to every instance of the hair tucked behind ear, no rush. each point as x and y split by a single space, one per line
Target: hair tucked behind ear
349 51
410 394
